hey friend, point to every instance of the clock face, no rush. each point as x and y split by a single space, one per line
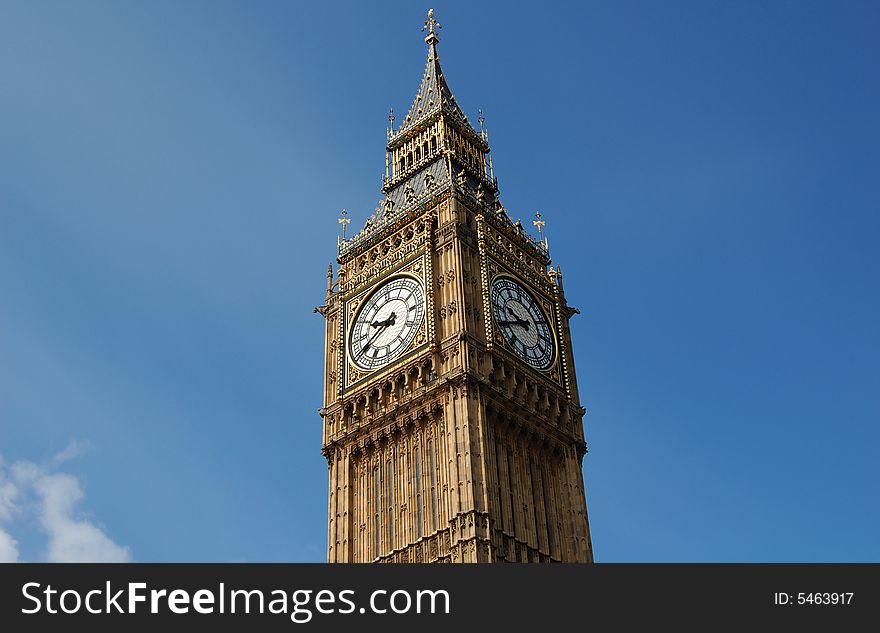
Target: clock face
387 323
522 323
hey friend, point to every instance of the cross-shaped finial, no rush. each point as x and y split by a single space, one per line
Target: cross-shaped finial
481 120
431 25
391 118
540 224
344 221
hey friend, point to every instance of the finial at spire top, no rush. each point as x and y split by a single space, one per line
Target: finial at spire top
431 25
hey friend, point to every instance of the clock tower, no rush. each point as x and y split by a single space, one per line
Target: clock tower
452 425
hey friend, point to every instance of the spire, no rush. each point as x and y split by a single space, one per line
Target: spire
433 149
434 93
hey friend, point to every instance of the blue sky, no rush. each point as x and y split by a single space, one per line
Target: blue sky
170 178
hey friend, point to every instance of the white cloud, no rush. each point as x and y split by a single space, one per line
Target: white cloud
8 509
53 497
8 548
8 493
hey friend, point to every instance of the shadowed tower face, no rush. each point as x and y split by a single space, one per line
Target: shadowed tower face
452 424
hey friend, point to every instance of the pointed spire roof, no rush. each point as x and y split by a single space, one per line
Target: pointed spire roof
434 93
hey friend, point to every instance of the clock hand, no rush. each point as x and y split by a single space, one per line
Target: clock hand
389 321
513 313
381 325
381 329
519 322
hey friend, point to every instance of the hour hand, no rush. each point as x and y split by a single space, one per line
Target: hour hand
516 318
524 324
389 321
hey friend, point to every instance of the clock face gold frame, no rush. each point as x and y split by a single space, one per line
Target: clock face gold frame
386 323
522 322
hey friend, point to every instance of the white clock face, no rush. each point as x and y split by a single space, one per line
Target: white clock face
387 323
522 323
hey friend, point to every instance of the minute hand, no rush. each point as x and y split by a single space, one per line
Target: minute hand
378 332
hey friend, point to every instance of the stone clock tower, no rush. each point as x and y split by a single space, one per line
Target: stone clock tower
452 424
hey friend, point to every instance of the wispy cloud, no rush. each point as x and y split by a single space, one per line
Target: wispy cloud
8 495
71 451
27 487
8 548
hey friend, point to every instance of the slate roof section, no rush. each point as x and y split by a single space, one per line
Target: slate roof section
427 182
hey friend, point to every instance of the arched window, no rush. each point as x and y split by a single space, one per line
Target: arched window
418 492
533 477
433 143
551 534
418 154
498 480
431 466
376 505
363 490
511 487
390 502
